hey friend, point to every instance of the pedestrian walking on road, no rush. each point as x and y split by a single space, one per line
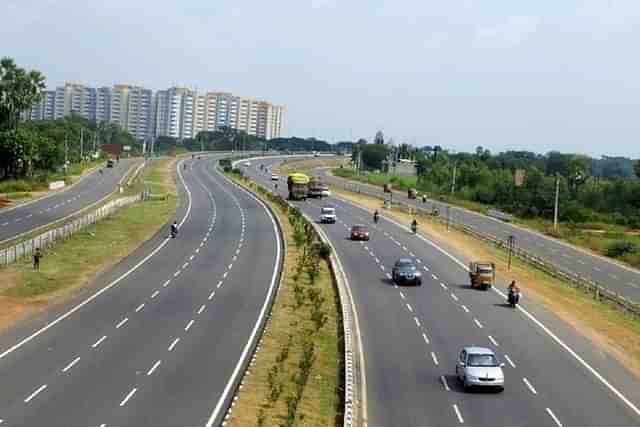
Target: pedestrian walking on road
36 259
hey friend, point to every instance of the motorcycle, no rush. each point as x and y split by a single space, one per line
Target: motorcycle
513 298
174 232
414 228
375 217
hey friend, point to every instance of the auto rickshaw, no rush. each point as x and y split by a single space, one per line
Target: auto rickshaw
482 274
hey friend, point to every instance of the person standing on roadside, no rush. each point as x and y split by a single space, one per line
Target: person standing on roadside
36 259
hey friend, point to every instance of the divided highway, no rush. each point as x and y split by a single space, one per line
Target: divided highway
613 276
412 336
89 190
160 340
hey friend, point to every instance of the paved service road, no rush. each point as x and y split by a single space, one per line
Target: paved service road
613 276
159 347
412 336
87 191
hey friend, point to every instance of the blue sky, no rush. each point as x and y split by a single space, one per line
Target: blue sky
459 73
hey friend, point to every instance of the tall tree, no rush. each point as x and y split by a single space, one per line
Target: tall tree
19 89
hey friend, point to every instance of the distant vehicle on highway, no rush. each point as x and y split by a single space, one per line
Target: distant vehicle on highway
405 272
318 188
298 186
359 232
110 163
247 164
328 215
479 367
275 177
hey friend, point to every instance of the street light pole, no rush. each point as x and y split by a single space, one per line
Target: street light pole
555 207
453 181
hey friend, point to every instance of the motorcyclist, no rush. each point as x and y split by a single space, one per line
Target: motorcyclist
424 198
174 229
514 293
376 216
414 226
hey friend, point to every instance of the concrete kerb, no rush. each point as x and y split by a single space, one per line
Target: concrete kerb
71 215
355 397
255 345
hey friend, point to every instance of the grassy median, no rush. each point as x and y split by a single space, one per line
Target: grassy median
297 376
69 265
608 328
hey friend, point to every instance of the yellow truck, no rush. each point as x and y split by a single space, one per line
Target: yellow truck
482 274
298 186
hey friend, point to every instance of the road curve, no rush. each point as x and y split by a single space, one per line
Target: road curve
616 277
90 189
412 336
160 345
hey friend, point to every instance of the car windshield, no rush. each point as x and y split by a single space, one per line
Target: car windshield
484 269
359 228
328 210
482 360
406 266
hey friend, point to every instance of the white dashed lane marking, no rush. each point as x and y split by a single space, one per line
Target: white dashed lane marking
554 418
508 359
128 396
201 309
155 294
173 344
140 307
70 365
458 414
493 341
122 322
97 343
191 322
478 324
529 386
444 383
434 358
35 393
153 368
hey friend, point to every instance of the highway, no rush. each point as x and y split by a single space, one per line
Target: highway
616 277
412 336
160 339
58 205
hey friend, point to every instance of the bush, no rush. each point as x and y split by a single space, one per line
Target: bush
620 248
323 250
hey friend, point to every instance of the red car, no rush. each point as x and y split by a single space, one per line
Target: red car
359 232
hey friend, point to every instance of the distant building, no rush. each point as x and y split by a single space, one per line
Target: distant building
175 112
183 113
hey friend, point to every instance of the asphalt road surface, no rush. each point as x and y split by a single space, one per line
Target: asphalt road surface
87 191
160 344
623 280
412 336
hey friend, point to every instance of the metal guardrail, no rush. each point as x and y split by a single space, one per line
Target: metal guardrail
599 292
43 241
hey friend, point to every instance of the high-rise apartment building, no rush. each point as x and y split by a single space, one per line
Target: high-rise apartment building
183 113
176 112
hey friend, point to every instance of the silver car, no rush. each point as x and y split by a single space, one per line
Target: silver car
479 367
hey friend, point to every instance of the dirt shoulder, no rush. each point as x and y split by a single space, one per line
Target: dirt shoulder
610 330
73 264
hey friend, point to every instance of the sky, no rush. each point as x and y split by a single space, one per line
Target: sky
539 75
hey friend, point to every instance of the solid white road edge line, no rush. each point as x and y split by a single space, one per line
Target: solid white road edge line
263 310
531 317
106 288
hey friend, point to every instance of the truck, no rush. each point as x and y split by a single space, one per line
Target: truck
298 186
317 188
482 274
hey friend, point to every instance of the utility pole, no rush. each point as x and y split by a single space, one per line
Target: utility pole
511 244
66 154
453 181
555 207
81 144
95 140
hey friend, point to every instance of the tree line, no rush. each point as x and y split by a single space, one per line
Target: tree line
33 149
603 190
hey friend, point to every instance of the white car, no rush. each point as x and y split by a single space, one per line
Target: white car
328 215
274 177
325 193
479 367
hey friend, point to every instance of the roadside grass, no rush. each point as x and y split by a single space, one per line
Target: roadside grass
610 330
306 164
269 394
595 237
69 265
